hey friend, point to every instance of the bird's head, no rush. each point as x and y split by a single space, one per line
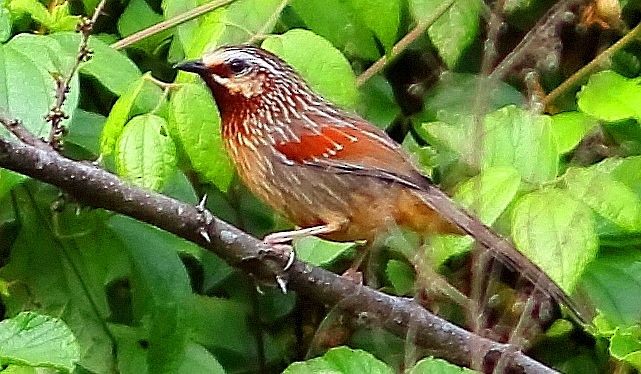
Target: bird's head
238 75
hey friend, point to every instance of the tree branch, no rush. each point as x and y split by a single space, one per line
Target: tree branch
101 189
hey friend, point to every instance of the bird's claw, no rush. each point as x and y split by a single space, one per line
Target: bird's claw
282 283
282 248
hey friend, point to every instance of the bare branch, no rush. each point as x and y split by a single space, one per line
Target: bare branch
56 114
100 189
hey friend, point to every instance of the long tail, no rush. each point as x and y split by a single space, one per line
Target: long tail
500 248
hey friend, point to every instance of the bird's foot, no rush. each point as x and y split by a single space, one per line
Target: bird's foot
205 217
354 275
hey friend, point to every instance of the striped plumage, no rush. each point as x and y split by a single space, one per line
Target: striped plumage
324 167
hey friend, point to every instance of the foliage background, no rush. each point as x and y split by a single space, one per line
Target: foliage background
107 294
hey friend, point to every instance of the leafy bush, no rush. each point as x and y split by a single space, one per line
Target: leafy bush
461 84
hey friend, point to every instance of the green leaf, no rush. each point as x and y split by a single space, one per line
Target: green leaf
111 68
5 23
198 360
377 103
610 280
37 340
341 360
51 272
84 130
402 277
455 30
624 170
141 97
569 128
8 180
328 72
137 16
432 365
25 71
56 19
194 124
611 97
625 345
353 37
456 93
184 33
489 193
609 198
145 155
235 23
160 290
384 27
555 232
51 59
321 252
509 136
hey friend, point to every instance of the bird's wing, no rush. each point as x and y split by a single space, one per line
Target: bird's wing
354 147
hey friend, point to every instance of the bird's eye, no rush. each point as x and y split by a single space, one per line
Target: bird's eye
238 66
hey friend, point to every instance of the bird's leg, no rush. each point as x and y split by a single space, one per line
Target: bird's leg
287 236
277 239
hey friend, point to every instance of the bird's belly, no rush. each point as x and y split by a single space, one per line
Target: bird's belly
365 206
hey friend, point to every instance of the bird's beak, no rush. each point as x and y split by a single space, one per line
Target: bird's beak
193 66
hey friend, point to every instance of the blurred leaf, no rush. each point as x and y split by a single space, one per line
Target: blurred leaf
194 124
377 103
557 233
507 137
610 280
607 197
8 180
352 35
160 290
58 19
145 154
111 68
5 23
37 340
455 30
382 17
569 128
624 170
235 23
27 63
432 365
137 16
328 72
611 97
341 360
141 97
198 360
489 193
321 252
402 277
625 345
184 32
85 129
458 93
64 276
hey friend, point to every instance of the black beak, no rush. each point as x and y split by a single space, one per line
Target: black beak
193 66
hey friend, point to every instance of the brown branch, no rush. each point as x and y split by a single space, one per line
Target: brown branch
545 31
100 189
167 24
57 114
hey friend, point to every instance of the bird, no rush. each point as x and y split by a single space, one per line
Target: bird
331 172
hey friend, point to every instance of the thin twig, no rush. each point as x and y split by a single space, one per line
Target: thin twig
167 24
100 189
598 61
56 114
403 43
